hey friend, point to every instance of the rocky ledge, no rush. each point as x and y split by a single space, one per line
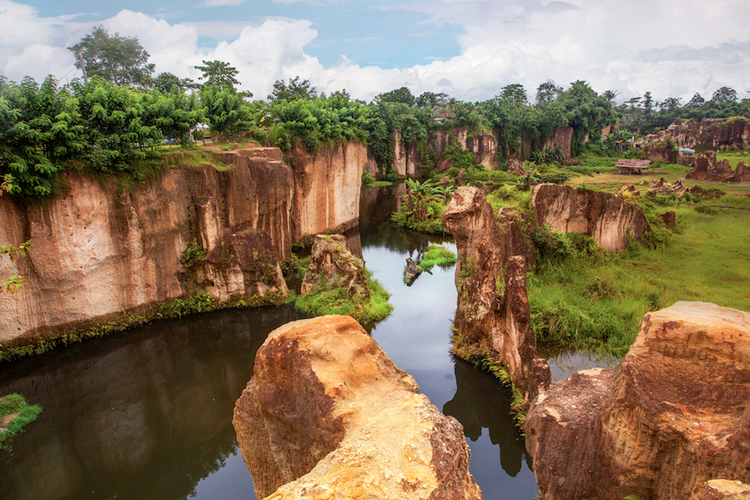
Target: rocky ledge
671 417
328 416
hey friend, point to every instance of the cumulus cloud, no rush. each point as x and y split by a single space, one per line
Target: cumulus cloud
632 47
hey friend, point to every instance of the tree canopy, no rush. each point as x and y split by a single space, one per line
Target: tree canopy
117 59
293 91
219 76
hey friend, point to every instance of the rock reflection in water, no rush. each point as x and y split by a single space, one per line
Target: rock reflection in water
481 403
144 414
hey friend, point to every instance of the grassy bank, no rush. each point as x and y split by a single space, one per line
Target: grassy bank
15 414
594 300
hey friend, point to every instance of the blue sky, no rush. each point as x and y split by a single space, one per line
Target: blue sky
469 49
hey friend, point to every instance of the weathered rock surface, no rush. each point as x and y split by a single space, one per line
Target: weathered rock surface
328 416
732 133
98 253
660 150
333 266
561 139
327 188
672 415
723 489
706 168
669 218
603 216
492 318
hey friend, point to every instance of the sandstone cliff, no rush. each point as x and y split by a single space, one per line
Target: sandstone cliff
731 133
671 416
328 416
492 314
327 187
605 217
98 254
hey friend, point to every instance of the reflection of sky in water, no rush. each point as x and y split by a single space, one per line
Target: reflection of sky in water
565 364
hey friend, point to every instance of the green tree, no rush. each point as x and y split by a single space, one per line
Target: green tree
432 100
548 92
219 76
294 90
648 104
165 81
402 95
117 59
226 111
696 101
724 95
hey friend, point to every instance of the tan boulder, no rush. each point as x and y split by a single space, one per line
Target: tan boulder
605 217
492 313
328 416
723 489
671 416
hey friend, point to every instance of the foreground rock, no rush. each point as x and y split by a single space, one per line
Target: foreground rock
492 314
605 217
671 416
328 416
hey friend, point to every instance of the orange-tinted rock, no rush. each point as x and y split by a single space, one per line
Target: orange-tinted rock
562 139
672 415
490 318
603 216
660 150
327 188
99 252
327 415
723 489
669 219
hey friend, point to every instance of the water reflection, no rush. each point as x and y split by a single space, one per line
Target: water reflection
140 415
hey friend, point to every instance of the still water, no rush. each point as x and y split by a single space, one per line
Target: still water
147 414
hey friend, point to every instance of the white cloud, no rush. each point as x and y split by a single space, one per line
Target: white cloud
658 46
222 3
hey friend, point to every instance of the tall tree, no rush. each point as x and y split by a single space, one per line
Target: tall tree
548 92
402 95
117 59
696 102
294 90
648 104
219 76
165 81
724 95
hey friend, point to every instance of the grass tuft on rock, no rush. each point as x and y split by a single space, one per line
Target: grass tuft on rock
15 414
336 300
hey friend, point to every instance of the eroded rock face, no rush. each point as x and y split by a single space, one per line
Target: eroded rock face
706 168
492 313
333 266
98 252
732 133
605 217
327 188
328 416
671 416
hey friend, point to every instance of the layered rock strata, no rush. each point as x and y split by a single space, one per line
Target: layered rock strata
671 416
605 217
328 416
492 314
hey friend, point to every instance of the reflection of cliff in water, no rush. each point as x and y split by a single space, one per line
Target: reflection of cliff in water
141 415
375 209
481 402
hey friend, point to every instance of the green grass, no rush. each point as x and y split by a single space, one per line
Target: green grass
337 301
437 255
594 300
9 405
734 157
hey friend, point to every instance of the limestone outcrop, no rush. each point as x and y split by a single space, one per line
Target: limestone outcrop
99 254
603 216
706 168
730 133
674 413
327 188
660 150
328 416
333 266
492 314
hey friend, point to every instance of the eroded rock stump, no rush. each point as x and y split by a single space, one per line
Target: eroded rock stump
333 266
672 415
492 314
328 416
